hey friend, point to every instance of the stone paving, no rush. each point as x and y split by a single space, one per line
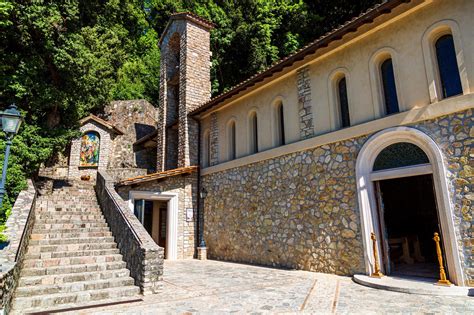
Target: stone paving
213 287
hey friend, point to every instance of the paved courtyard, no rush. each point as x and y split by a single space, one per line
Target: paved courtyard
192 286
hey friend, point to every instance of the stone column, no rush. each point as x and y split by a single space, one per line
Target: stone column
214 143
304 103
161 126
195 88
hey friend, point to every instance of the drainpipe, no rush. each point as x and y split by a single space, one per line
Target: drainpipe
200 197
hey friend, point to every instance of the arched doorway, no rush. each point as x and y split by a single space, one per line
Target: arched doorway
403 194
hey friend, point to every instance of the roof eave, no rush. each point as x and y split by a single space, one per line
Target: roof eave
102 123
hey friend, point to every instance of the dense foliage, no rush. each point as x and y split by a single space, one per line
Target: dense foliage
62 59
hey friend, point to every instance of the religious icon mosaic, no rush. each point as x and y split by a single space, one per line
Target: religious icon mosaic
90 149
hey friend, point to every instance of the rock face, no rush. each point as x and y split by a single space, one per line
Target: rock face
301 210
136 118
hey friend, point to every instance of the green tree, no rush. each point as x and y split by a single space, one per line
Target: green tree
63 59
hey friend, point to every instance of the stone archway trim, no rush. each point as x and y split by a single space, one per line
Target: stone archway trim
367 198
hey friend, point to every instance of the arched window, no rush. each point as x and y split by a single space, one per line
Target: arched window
343 102
253 133
447 66
90 146
400 154
231 141
279 124
206 158
389 87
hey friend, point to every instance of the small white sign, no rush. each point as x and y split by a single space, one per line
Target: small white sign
189 214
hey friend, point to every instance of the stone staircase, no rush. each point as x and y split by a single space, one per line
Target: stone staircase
72 260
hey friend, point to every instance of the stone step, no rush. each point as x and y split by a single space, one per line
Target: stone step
75 230
65 221
48 255
70 225
85 240
69 198
76 205
69 210
73 277
78 191
90 305
71 247
60 203
54 235
74 287
42 303
72 259
42 271
43 216
61 261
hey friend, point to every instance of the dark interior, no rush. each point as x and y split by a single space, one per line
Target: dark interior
148 216
410 217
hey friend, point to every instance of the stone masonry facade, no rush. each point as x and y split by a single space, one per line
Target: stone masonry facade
184 85
304 103
186 189
300 210
214 140
105 150
194 88
134 119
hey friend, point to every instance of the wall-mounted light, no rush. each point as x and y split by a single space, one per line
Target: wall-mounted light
203 193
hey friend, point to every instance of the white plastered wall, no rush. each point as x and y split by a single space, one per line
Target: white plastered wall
403 37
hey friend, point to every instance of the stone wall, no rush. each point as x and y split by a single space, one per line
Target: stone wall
143 256
56 167
454 134
300 210
18 229
136 118
186 188
119 174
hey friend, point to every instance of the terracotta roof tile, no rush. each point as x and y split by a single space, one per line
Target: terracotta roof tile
101 122
156 176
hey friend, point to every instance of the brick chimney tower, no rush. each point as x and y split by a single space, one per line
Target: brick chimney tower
184 84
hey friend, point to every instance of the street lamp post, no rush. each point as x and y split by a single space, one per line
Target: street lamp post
11 120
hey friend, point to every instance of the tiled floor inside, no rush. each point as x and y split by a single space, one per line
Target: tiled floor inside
214 287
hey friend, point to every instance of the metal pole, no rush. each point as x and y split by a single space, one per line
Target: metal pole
4 171
202 243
